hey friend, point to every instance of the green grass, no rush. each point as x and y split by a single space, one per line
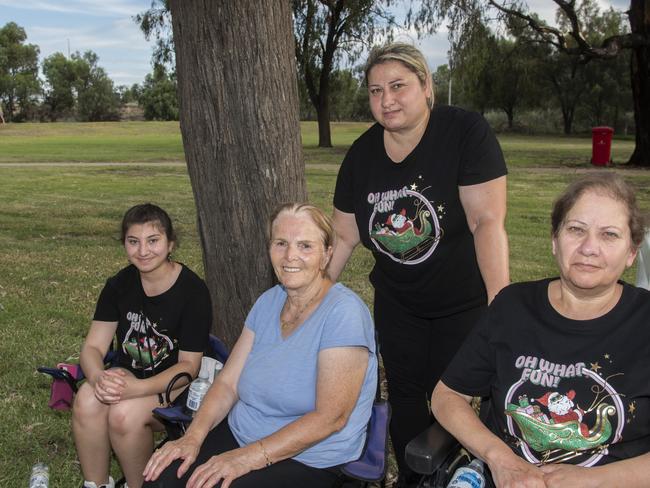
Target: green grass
91 142
557 150
161 141
58 243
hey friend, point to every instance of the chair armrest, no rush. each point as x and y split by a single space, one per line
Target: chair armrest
217 349
174 420
427 452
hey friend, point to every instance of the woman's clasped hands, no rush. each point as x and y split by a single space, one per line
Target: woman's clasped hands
110 385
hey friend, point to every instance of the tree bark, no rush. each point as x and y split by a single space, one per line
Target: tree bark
241 135
639 15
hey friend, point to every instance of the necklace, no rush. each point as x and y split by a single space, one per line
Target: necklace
285 324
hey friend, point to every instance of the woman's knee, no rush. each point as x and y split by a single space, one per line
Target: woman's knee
130 416
86 406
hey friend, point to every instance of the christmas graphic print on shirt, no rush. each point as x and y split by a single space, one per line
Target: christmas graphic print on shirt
152 330
562 424
410 214
561 390
408 235
144 343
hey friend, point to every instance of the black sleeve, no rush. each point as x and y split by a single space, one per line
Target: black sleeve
344 191
107 309
481 155
196 320
473 368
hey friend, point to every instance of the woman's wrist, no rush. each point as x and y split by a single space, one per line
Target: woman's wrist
496 453
267 459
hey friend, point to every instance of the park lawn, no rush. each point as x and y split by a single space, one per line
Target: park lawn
59 242
91 142
144 142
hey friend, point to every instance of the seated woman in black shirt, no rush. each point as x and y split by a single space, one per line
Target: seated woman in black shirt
161 313
565 361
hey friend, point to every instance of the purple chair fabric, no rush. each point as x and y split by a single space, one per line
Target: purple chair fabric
371 466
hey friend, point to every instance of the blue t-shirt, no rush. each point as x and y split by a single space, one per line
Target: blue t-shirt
278 383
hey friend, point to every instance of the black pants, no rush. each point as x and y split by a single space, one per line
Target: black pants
415 352
283 474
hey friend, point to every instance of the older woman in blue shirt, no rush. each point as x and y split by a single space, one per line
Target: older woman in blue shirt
295 396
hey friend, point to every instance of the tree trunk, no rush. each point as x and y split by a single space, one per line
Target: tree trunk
323 111
567 119
510 113
241 134
640 75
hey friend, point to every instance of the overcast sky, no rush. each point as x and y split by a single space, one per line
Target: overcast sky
107 28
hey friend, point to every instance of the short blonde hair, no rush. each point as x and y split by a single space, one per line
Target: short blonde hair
322 221
410 56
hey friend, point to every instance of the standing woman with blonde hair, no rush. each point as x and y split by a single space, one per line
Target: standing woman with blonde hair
425 190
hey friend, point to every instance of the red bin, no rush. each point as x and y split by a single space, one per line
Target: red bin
601 145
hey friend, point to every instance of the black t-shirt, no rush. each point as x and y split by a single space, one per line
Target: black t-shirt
410 215
558 384
155 328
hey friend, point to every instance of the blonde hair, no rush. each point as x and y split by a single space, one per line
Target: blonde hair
322 221
410 57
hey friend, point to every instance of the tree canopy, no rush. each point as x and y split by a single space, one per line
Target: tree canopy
19 83
79 86
575 34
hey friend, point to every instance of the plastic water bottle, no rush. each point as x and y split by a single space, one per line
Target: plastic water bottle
218 366
470 476
40 477
198 389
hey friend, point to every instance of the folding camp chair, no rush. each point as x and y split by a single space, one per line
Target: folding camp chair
67 376
369 468
65 381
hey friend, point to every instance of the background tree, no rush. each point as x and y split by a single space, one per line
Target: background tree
97 99
608 92
79 84
567 77
472 75
571 39
129 94
156 24
328 34
19 83
59 94
325 30
158 96
346 86
441 77
241 134
515 76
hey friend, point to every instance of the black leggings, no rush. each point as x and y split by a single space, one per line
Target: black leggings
415 352
283 474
